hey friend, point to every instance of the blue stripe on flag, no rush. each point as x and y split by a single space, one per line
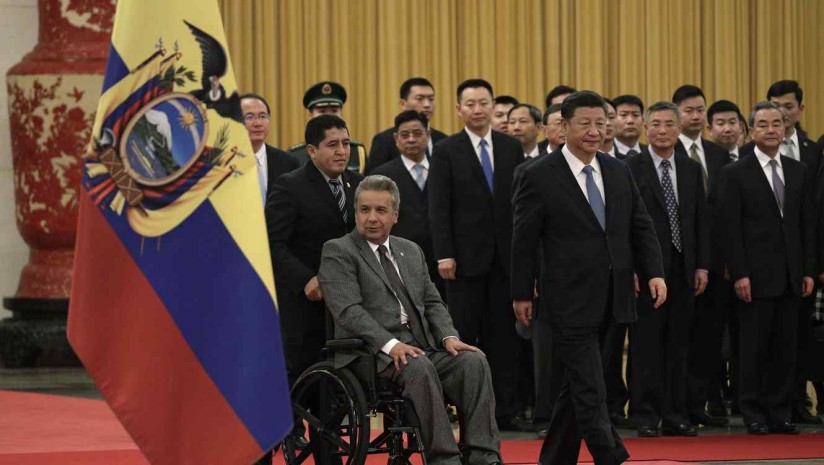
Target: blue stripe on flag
224 311
116 69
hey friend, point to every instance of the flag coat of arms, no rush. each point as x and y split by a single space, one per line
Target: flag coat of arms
173 308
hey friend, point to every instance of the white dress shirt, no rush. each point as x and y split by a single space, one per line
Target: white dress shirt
764 160
734 154
476 144
792 149
534 153
688 143
625 149
657 160
611 151
263 164
577 167
410 165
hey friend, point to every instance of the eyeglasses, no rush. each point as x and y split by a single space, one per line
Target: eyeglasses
249 117
417 134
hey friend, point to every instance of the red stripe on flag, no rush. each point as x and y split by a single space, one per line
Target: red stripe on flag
137 357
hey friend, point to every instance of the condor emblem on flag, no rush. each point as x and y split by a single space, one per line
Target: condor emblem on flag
173 307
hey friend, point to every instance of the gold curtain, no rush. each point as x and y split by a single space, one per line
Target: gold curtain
733 49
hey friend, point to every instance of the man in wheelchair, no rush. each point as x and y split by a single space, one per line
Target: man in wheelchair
377 288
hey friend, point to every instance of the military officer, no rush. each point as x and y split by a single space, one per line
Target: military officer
329 97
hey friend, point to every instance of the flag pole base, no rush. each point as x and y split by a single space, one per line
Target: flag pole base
35 335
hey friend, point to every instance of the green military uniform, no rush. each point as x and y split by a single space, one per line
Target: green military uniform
323 94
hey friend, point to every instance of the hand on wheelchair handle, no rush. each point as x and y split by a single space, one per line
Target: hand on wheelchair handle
400 351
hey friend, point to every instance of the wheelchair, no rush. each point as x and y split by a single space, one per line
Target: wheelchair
337 403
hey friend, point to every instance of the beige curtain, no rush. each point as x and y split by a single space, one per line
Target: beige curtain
733 49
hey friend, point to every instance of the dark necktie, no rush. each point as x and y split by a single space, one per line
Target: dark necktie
595 200
340 197
672 205
631 153
402 294
486 164
778 186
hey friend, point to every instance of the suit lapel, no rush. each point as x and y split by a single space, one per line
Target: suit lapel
685 183
654 181
370 258
403 268
792 179
471 159
323 190
566 179
608 175
758 172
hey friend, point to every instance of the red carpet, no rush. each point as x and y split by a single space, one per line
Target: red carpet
38 429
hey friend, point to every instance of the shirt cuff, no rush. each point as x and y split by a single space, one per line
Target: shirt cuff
447 337
389 345
701 269
445 259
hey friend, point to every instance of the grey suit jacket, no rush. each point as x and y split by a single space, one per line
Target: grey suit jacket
360 298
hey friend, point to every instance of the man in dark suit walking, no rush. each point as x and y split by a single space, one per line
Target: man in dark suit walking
629 122
410 172
271 162
416 94
584 210
306 208
470 210
672 187
377 288
705 335
769 224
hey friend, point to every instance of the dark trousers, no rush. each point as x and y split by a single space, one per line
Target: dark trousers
659 348
613 359
481 310
549 373
580 410
767 354
712 311
806 357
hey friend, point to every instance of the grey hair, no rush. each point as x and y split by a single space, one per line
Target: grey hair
661 106
378 183
763 105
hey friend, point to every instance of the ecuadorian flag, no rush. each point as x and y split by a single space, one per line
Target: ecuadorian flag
173 308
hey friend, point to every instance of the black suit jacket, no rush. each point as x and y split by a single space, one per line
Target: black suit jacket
773 251
692 211
580 261
810 154
470 223
278 162
716 157
384 149
301 215
413 220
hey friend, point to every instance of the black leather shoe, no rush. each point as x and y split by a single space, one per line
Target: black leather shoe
804 417
706 419
648 432
620 421
717 409
759 429
783 428
513 424
679 430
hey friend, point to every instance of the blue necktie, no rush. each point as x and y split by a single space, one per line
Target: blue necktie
595 200
261 180
486 164
420 179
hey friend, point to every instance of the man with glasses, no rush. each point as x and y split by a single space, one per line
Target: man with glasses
271 162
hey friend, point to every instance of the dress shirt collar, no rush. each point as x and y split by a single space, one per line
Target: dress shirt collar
625 149
734 153
261 155
577 165
657 159
476 141
534 153
689 142
611 152
409 164
764 159
327 178
374 247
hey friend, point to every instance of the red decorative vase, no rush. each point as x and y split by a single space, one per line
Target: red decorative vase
53 94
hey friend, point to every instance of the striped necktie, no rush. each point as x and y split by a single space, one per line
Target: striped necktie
340 197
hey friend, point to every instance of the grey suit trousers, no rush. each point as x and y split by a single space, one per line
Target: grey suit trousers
465 379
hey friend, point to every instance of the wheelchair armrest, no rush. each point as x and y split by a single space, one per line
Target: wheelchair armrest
345 344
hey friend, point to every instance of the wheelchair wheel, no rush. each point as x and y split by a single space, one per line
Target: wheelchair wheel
333 404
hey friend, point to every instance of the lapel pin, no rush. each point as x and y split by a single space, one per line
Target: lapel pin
348 185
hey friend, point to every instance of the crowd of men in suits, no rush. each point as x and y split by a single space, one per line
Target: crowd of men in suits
705 255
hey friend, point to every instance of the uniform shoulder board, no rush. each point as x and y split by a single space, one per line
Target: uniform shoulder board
297 146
